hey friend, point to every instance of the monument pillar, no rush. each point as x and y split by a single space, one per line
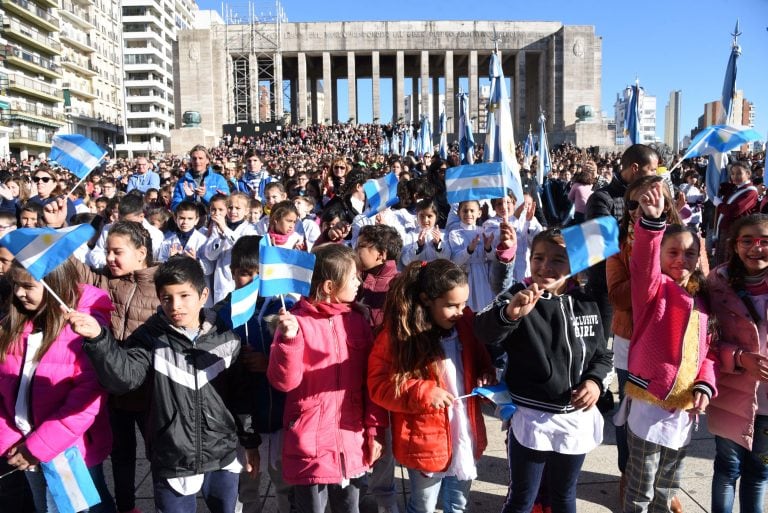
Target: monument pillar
375 86
424 94
399 86
435 117
450 92
328 99
473 90
519 103
351 87
302 89
277 87
552 85
253 85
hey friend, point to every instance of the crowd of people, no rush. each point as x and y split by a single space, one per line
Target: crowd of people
409 310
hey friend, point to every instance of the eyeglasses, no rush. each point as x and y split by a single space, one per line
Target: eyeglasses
750 242
44 179
339 167
632 204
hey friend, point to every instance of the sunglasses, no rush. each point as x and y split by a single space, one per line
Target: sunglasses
750 242
44 179
339 167
632 204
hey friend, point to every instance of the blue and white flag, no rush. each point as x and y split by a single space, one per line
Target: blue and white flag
76 153
406 141
528 150
381 193
284 271
466 139
500 138
591 242
544 164
475 182
632 116
243 303
41 250
720 139
500 396
424 146
70 483
384 146
717 171
443 137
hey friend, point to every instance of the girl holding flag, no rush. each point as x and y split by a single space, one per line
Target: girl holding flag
557 368
426 357
51 399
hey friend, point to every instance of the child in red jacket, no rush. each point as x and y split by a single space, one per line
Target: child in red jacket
425 357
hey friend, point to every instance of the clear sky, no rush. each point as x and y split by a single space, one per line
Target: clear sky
666 44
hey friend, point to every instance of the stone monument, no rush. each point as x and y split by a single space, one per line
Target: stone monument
190 134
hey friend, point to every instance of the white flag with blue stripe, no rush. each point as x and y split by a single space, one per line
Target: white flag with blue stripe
69 482
475 182
76 153
528 150
41 250
544 164
243 303
632 116
381 193
284 271
591 242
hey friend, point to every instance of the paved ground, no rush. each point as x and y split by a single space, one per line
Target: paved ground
597 489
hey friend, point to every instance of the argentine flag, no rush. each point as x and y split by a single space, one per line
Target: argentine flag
381 193
591 242
41 250
243 303
475 182
69 482
498 395
76 153
284 271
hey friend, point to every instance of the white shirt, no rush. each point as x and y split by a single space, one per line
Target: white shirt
34 341
565 433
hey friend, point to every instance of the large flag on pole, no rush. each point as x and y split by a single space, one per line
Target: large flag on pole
500 139
544 165
41 250
443 136
466 139
716 168
529 150
632 116
76 153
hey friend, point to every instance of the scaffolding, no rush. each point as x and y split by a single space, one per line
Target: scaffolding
252 39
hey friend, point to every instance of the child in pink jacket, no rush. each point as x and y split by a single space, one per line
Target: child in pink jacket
332 430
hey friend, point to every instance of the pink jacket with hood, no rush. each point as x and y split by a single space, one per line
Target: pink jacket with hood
68 405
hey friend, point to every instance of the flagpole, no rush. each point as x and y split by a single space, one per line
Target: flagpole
55 296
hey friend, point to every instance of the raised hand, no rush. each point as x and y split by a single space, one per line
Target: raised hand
652 202
473 244
55 212
524 301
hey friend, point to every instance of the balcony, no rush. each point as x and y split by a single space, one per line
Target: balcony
33 13
79 65
38 114
34 88
32 62
26 137
77 39
77 15
80 88
17 31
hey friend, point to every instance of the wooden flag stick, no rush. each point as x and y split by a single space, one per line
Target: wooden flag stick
56 296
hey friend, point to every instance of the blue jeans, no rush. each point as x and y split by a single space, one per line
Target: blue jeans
732 461
525 470
219 492
44 500
425 491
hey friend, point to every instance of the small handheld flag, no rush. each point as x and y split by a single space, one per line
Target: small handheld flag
284 271
41 250
381 193
76 153
69 482
243 303
498 395
591 242
475 182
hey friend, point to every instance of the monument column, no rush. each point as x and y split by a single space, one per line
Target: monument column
424 95
473 90
351 86
301 93
519 103
450 93
552 85
375 86
278 88
328 99
435 118
399 86
253 79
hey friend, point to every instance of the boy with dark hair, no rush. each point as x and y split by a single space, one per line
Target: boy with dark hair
256 336
191 358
